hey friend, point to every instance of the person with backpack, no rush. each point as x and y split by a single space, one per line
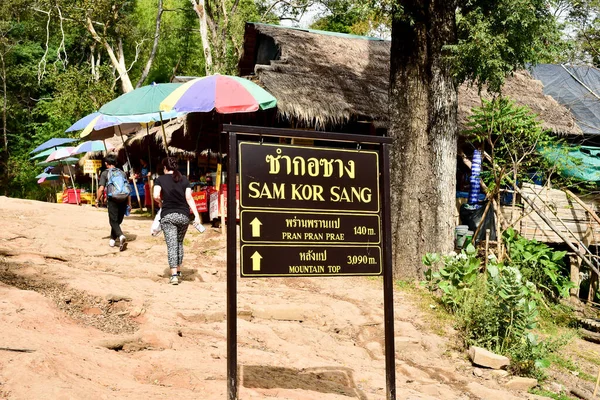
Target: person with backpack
173 193
118 199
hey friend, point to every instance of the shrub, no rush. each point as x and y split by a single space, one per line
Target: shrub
540 264
496 309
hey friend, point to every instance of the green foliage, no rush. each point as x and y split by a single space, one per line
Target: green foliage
350 16
515 140
540 264
584 25
496 37
498 308
501 313
455 278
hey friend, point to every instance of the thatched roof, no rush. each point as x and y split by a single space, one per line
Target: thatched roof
327 78
155 133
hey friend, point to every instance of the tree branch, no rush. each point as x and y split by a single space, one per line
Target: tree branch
137 54
62 41
146 70
234 7
42 63
288 3
118 64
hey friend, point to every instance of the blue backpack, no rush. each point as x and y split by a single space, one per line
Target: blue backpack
117 187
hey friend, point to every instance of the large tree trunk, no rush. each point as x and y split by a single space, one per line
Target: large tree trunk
423 120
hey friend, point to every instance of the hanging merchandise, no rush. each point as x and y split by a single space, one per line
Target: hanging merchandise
475 180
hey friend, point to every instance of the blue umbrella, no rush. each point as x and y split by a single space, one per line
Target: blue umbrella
93 145
54 142
83 122
98 121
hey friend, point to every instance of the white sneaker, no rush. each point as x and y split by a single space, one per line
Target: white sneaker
111 243
174 280
122 243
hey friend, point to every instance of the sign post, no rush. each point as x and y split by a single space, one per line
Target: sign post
308 211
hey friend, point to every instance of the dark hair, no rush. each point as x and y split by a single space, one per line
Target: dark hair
171 164
111 159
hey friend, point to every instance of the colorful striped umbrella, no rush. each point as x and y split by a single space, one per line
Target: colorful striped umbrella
65 152
45 153
92 145
48 177
224 93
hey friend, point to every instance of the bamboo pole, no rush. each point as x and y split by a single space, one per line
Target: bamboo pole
555 213
582 204
555 229
164 134
487 243
150 182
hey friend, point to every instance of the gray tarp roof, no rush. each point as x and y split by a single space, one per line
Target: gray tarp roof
575 87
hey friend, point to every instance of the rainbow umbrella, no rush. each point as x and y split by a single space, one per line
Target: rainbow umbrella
224 93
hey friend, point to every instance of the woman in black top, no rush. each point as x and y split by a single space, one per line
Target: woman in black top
173 193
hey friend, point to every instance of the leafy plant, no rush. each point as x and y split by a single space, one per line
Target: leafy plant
496 309
539 263
458 274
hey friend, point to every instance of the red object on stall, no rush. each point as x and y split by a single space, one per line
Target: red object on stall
70 196
201 200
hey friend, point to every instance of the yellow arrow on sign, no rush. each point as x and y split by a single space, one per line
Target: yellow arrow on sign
256 261
255 227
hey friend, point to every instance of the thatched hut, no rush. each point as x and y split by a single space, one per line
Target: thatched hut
328 80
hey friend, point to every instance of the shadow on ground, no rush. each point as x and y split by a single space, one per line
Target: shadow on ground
336 380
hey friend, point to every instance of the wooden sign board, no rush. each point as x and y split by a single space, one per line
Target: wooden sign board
309 211
91 166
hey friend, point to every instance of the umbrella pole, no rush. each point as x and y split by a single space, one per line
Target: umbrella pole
137 193
150 182
105 148
162 126
73 182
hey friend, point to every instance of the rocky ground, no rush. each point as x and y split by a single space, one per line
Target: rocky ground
82 320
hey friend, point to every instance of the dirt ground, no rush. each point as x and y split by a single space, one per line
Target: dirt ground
81 320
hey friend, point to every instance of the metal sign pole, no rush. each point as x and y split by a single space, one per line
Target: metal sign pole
232 382
388 279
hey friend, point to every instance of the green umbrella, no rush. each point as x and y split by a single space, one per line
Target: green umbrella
44 154
68 160
144 100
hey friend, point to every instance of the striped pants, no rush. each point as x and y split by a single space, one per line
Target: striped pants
174 226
